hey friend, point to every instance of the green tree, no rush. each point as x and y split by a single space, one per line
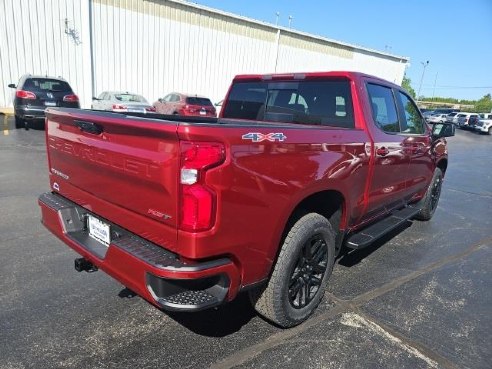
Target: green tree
406 84
484 105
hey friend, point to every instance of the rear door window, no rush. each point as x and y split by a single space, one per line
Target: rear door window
318 102
383 107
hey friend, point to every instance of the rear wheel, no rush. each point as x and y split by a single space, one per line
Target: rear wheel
19 122
301 273
430 200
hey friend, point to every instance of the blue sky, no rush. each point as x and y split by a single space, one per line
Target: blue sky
455 36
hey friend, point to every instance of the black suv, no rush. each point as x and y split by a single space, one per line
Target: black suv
35 93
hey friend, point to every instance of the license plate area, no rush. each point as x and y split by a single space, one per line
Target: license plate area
99 230
50 103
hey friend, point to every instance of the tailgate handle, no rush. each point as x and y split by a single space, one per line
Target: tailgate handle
89 127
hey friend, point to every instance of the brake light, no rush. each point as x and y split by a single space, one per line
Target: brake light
21 94
71 98
198 201
119 107
150 108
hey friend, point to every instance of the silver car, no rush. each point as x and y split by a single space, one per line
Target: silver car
119 101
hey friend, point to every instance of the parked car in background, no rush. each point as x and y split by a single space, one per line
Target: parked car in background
445 110
450 116
185 104
472 121
484 125
437 118
34 93
121 102
467 120
428 114
485 115
457 117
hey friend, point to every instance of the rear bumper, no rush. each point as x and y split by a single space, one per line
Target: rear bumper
25 112
151 271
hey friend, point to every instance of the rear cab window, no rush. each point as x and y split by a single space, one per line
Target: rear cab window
315 102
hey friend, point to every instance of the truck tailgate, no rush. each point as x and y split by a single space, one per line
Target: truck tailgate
129 163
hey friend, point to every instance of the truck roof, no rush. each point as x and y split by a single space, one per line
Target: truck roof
303 75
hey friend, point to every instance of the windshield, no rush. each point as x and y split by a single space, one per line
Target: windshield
130 98
325 102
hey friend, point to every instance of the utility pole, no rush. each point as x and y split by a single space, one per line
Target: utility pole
422 78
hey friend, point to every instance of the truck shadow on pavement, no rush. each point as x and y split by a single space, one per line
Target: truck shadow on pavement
216 322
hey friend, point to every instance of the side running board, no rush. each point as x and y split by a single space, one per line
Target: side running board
368 235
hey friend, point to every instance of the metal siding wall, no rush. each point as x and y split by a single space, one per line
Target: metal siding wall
153 47
33 40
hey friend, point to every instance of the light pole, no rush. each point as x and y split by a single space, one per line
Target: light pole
424 64
290 19
276 18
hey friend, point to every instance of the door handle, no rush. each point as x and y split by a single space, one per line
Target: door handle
89 127
382 151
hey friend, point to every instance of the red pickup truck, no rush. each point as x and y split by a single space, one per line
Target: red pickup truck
188 212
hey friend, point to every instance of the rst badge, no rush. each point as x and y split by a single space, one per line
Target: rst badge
259 137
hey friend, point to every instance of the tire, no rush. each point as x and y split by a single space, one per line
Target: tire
490 131
19 123
430 200
304 265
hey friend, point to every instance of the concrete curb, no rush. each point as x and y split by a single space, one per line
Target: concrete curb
7 111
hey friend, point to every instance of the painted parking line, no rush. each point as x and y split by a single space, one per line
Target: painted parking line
5 125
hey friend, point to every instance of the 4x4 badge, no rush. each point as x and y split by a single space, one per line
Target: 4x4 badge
259 137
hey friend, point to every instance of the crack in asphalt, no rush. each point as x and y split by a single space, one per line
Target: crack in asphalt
470 193
341 306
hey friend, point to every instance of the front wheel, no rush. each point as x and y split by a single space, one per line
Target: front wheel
430 200
301 273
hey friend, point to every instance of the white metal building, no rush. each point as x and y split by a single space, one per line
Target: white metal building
153 47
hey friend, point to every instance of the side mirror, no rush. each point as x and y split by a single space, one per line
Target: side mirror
94 98
160 99
12 85
443 130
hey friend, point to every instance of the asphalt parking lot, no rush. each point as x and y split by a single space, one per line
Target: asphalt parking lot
421 299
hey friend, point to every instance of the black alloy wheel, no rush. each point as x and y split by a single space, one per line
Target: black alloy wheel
435 193
309 271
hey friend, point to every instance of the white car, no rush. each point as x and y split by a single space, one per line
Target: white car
120 102
457 117
437 118
450 116
484 126
464 119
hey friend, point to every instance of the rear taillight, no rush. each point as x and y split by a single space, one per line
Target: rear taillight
21 94
198 201
119 107
150 108
71 98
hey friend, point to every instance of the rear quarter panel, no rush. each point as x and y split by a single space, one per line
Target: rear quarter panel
261 183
